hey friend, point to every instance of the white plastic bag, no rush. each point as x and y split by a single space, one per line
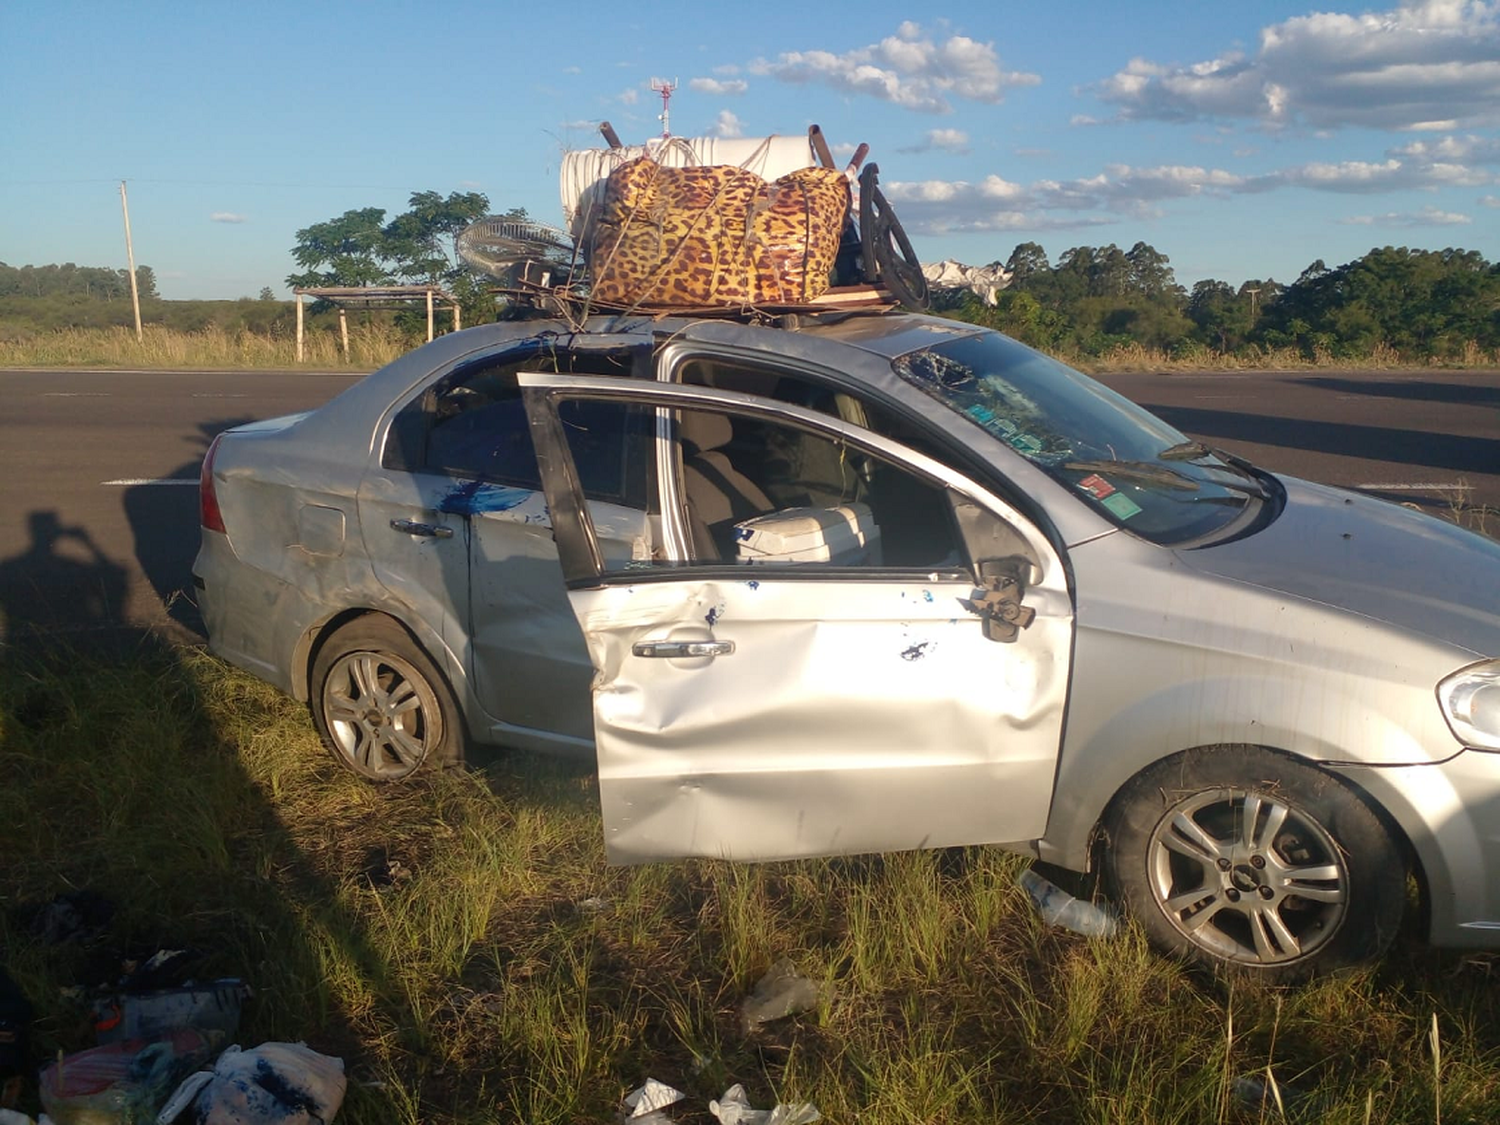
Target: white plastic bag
734 1109
273 1084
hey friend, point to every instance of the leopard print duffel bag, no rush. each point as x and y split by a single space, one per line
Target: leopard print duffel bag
715 236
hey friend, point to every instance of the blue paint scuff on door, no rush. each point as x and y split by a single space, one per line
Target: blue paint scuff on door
473 497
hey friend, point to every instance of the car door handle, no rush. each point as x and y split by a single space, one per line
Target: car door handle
678 649
431 530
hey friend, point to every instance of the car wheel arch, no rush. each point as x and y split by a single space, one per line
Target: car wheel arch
381 702
312 640
1098 838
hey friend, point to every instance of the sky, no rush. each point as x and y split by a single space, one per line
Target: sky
1243 141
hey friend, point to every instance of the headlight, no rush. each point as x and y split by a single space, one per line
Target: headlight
1470 699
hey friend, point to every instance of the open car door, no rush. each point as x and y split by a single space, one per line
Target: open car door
830 644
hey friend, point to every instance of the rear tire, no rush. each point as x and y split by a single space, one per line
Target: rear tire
1243 859
380 704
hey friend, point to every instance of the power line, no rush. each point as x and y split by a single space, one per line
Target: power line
203 183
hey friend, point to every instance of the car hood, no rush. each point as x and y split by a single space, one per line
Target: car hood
1370 557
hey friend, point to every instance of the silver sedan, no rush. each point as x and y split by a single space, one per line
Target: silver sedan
872 582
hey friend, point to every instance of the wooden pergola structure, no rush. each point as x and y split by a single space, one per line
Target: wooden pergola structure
376 297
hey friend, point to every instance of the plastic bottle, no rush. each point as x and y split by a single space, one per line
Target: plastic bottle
1058 908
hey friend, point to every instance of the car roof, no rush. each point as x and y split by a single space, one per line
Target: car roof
879 335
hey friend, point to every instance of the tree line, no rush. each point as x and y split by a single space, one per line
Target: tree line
1421 304
91 282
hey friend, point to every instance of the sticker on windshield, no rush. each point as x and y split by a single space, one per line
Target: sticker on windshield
1121 505
1096 486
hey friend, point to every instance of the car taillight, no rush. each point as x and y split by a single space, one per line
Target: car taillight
208 501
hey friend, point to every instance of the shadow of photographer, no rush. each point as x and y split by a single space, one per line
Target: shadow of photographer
128 769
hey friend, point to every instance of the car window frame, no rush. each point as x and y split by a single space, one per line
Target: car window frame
583 564
989 472
411 422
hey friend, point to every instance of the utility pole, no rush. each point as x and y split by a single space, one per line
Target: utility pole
135 296
1254 293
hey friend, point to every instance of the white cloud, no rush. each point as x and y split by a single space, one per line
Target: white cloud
930 206
731 88
1427 217
941 140
1360 176
227 217
908 69
1452 150
727 125
997 204
628 96
1411 67
1489 200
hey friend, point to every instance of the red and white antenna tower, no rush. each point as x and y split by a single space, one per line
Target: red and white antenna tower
665 89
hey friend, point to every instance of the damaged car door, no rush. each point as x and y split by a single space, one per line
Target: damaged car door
829 643
459 531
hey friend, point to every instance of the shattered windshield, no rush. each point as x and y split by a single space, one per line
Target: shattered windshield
1121 460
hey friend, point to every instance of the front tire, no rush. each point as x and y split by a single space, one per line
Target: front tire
380 704
1240 858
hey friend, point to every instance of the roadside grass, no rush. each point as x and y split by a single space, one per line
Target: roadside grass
375 344
1135 357
370 346
462 944
1476 517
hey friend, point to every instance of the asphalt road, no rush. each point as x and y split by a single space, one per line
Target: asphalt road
98 496
98 504
1430 438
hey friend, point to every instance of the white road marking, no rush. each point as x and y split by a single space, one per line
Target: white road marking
132 481
76 394
1456 486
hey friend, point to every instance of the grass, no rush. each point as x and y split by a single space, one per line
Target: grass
1134 357
1476 517
372 345
462 944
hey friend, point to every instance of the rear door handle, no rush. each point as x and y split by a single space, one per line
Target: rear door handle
680 649
431 530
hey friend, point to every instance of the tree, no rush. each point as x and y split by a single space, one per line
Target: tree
420 243
266 293
1151 274
1026 261
346 251
1218 313
145 281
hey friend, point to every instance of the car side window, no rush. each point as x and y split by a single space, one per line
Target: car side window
799 390
759 492
755 491
472 425
479 430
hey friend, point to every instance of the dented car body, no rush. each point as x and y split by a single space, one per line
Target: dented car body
875 582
